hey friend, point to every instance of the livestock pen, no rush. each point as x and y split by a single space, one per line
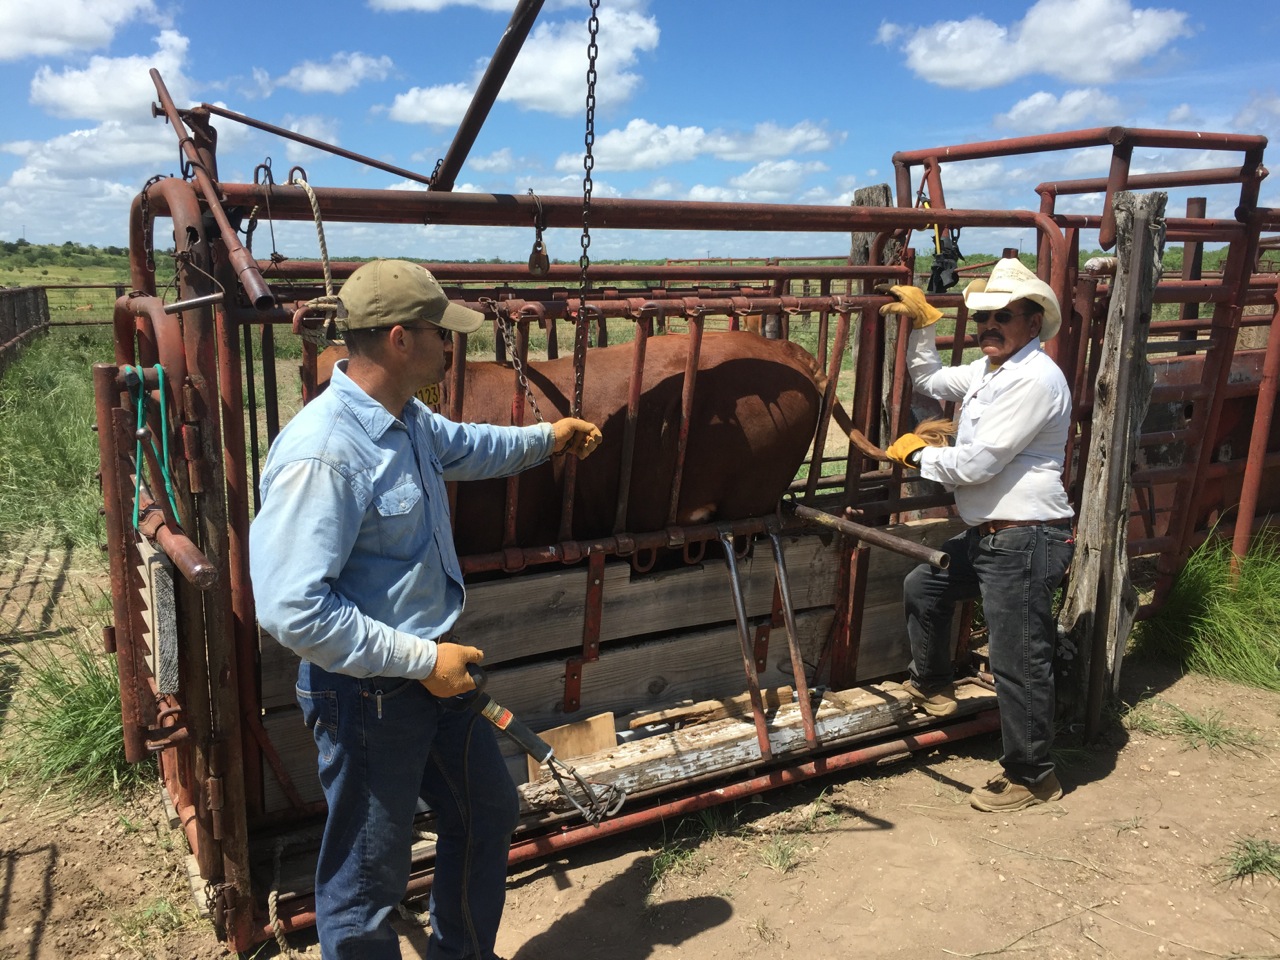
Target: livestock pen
777 630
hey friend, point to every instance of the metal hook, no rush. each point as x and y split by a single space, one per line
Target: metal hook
539 262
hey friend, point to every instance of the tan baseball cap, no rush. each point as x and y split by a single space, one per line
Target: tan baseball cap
1012 280
382 293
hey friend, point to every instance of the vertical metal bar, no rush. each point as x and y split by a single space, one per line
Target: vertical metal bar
518 405
829 400
569 479
635 390
1192 269
744 639
793 638
693 357
106 397
1258 437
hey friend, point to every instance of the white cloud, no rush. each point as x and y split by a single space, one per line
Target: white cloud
1076 108
313 126
108 150
435 6
440 106
1089 41
500 161
56 28
342 72
114 88
642 145
550 74
767 182
1261 114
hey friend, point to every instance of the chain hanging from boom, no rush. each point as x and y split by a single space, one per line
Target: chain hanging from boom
588 162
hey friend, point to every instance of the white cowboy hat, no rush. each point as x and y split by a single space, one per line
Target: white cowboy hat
1011 280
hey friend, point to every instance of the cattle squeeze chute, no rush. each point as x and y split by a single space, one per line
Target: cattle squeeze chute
713 600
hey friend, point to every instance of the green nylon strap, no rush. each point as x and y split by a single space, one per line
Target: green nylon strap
140 403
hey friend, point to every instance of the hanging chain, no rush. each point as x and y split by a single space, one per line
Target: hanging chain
505 325
588 164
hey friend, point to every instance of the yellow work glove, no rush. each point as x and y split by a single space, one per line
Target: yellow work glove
911 302
449 677
576 436
902 448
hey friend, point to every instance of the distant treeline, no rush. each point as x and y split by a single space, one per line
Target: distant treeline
71 256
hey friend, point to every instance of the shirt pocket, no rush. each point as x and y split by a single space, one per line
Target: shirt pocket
402 525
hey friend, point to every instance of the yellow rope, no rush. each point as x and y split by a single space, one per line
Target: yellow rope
329 302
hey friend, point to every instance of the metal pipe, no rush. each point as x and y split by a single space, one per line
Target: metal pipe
744 643
314 143
246 268
487 90
793 638
692 359
873 535
1258 438
635 389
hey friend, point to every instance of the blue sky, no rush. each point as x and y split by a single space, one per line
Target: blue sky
706 100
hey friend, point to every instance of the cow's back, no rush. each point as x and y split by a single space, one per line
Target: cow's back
756 406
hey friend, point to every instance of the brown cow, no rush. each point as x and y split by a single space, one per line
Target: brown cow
756 406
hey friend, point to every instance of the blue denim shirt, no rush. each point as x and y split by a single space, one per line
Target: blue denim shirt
351 555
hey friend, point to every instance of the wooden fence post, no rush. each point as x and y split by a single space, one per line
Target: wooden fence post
1101 602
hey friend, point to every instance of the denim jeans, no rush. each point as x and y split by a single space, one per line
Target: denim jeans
384 742
1015 571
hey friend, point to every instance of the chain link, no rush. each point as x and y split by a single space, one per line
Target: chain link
505 325
588 164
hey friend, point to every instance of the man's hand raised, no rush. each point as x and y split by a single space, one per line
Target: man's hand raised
911 302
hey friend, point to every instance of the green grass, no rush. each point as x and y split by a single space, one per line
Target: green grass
1250 858
62 723
48 450
1158 718
1219 626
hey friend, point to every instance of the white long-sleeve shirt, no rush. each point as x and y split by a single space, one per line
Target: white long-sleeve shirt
1011 436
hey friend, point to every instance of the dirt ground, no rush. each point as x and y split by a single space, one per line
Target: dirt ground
883 862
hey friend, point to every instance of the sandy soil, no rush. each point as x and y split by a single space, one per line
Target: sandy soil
882 863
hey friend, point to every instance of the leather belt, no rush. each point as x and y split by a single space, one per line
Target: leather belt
995 526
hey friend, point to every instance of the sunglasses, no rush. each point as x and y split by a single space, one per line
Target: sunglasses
444 334
999 316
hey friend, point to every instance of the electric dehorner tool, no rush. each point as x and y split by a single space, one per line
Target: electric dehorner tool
594 801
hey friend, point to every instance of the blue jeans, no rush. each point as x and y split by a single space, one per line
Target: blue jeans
384 742
1015 571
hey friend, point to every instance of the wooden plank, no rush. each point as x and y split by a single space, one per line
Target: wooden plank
700 751
570 741
537 613
706 710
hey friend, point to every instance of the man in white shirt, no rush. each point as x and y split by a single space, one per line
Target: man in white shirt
1005 470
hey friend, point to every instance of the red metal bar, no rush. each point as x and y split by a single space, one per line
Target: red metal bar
487 90
634 391
246 268
1258 439
686 411
744 640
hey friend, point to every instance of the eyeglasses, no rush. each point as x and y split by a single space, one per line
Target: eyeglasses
999 316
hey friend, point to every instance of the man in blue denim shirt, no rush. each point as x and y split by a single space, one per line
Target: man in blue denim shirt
354 569
1005 470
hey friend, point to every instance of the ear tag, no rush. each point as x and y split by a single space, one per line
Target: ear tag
430 395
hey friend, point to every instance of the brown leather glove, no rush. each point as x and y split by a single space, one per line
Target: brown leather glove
910 301
450 677
576 436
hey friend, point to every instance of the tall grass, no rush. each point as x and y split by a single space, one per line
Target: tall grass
1220 626
48 450
62 720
